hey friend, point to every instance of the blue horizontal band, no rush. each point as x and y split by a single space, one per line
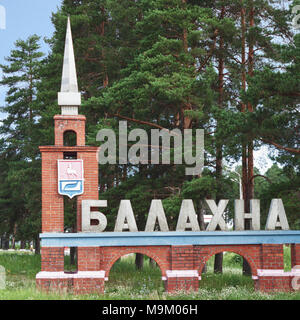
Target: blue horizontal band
107 239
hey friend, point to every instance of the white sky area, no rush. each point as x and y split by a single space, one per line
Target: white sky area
261 159
24 18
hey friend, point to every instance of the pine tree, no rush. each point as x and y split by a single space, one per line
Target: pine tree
19 146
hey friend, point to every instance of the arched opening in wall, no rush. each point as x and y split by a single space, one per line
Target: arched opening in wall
129 282
70 138
231 276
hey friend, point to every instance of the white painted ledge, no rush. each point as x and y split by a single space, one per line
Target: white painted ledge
77 275
69 99
295 272
182 274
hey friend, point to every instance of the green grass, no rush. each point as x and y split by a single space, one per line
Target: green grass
126 283
125 277
20 264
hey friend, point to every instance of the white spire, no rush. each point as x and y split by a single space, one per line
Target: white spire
69 97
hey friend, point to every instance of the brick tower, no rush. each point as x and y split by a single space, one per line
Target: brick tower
53 191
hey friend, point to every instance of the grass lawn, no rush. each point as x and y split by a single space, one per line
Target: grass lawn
126 283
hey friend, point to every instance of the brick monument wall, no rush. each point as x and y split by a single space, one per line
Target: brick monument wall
181 266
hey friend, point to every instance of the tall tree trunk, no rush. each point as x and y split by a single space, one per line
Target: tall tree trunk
243 108
250 108
13 241
186 121
218 263
105 77
73 250
200 214
245 153
247 148
250 164
23 244
139 261
37 247
5 240
73 255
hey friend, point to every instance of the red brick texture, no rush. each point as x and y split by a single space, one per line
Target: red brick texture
272 284
170 258
52 259
69 123
88 286
75 286
56 285
295 254
182 284
272 256
160 254
88 259
52 202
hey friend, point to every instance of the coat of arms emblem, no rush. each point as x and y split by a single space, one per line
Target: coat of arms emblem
70 177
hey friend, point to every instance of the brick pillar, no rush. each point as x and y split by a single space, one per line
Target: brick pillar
88 259
295 254
52 259
89 278
52 263
52 202
183 275
295 257
272 256
272 277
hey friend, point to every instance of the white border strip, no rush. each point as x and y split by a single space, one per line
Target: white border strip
77 275
182 274
277 273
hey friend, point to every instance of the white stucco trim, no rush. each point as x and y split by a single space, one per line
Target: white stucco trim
277 273
69 98
77 275
182 274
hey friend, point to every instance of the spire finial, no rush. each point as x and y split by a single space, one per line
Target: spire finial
69 97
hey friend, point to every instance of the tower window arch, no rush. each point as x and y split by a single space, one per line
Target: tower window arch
70 138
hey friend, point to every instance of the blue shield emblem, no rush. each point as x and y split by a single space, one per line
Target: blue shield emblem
70 177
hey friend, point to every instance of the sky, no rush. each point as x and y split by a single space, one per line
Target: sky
24 18
27 17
